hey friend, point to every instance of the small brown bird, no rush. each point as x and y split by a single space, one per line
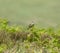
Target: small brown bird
31 25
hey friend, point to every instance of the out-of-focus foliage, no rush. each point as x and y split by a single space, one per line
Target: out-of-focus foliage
32 40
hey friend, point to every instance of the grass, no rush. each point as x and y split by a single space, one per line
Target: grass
20 39
15 39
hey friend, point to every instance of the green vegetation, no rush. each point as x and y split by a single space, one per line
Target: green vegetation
25 39
28 40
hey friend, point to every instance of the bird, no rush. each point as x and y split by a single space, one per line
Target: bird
31 25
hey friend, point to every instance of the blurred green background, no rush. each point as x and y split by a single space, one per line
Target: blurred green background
41 12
